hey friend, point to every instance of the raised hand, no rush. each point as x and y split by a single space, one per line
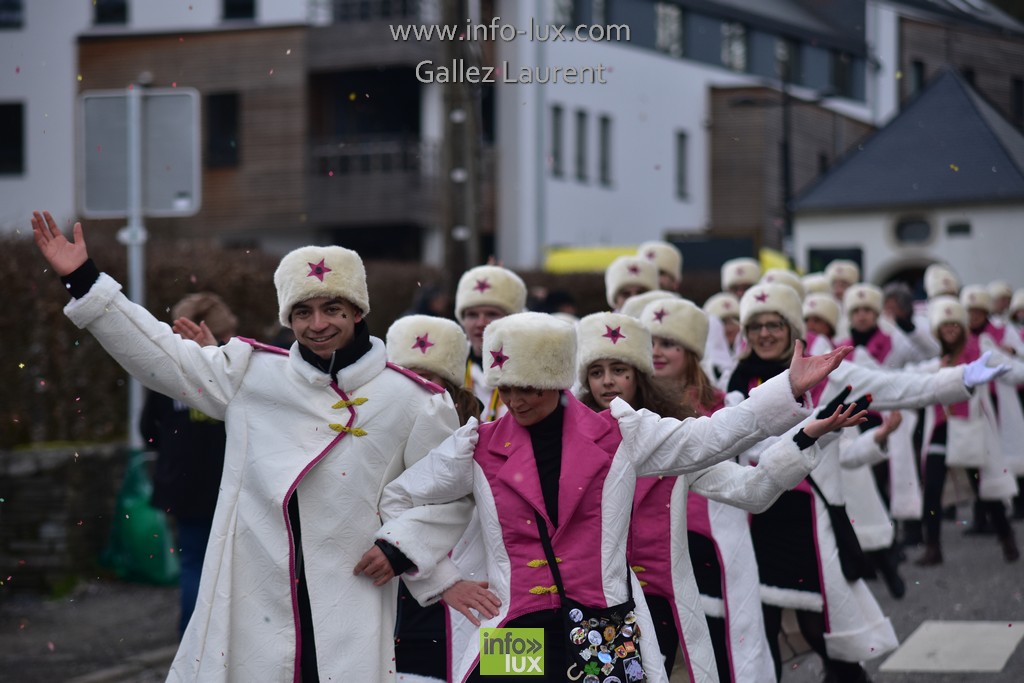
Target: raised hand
466 596
847 415
807 371
64 257
198 333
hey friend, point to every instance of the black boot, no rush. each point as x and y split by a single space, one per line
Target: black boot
1010 551
980 525
932 556
888 566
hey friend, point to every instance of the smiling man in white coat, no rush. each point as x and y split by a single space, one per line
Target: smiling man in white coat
289 591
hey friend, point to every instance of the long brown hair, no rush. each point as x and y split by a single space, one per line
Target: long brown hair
467 405
951 352
697 387
657 397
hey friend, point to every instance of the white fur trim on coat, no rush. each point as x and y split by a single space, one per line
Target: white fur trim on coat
530 350
311 272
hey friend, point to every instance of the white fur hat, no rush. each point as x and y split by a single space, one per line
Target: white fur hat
311 272
939 279
842 269
773 298
665 257
740 271
1017 302
863 295
424 342
823 306
998 288
612 336
945 309
679 320
785 277
530 350
722 305
626 271
634 305
816 283
976 296
490 286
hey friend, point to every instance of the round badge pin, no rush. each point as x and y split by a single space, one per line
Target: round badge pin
576 615
578 635
595 638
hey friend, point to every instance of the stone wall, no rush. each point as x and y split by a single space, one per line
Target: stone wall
56 506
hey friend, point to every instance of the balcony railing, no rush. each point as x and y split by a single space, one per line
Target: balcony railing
346 11
375 157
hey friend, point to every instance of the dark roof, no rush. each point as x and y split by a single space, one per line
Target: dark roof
977 12
948 146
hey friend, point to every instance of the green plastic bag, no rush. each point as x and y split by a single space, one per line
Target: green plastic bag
141 546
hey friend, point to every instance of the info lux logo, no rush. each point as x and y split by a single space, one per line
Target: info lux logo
512 651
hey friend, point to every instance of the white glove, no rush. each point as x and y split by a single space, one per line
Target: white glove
978 372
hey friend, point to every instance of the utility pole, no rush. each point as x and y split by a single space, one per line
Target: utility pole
460 153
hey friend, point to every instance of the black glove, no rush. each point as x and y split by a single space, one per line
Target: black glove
862 403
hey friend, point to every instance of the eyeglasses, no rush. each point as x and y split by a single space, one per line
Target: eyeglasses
773 327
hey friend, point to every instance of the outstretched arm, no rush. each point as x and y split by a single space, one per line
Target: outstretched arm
805 372
63 256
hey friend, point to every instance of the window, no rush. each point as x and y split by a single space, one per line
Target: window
111 11
1017 102
563 13
668 29
222 116
604 150
12 14
913 230
917 76
12 139
581 145
787 60
557 160
842 74
961 229
239 9
734 46
968 74
681 167
822 163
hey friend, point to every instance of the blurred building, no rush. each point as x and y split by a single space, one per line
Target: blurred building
942 182
695 121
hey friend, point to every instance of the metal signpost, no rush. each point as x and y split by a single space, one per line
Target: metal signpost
138 157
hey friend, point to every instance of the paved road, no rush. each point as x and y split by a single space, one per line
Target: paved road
112 632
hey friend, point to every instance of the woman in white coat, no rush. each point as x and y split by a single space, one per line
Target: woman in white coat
795 543
554 467
987 464
623 369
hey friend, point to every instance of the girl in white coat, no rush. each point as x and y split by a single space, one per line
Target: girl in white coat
552 461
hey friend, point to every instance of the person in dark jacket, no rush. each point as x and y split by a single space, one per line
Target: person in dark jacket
190 454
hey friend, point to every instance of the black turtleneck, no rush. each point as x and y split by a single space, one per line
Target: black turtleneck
546 439
754 370
343 357
862 338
